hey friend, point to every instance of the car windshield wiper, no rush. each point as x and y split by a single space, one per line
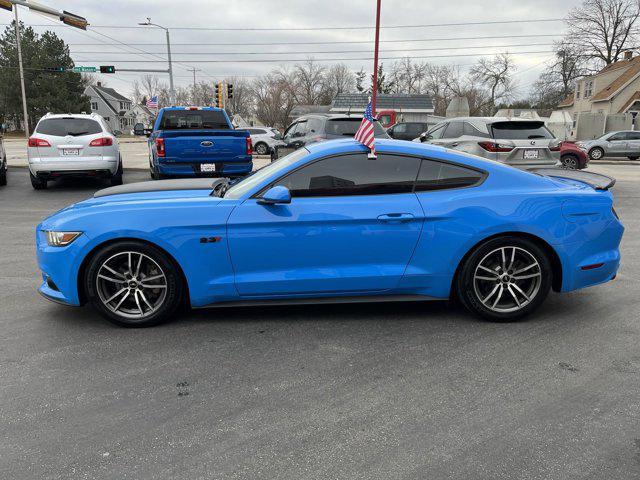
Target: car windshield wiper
531 137
77 134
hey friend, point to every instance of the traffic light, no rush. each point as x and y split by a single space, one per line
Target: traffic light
230 90
6 5
219 95
107 69
74 20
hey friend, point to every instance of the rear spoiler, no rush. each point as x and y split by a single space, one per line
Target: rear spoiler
595 180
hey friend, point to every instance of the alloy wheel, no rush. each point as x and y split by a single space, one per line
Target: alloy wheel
131 285
507 279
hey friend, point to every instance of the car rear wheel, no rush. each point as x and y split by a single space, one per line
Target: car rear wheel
37 183
596 153
133 284
117 177
569 161
505 279
261 149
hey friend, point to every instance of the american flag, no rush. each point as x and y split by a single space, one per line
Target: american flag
152 102
365 134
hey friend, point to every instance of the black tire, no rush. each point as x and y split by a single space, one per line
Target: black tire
3 174
570 161
37 183
633 158
596 153
470 289
117 177
161 305
261 148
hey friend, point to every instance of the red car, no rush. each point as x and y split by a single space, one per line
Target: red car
572 157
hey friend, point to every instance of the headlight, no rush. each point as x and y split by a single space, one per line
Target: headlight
61 239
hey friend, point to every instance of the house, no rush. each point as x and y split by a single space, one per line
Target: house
398 107
613 90
143 115
116 109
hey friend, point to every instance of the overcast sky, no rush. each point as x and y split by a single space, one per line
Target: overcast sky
314 14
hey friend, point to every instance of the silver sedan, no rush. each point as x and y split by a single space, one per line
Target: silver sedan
613 144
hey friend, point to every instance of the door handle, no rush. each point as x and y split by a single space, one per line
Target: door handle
396 217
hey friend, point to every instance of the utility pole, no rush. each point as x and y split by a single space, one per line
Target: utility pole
374 90
24 92
194 70
172 92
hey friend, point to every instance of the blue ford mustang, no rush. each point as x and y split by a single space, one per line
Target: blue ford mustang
328 224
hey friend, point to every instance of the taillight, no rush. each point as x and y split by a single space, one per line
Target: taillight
160 147
495 147
101 142
38 142
249 146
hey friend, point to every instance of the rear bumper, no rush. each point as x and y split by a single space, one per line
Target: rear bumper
49 167
193 169
591 262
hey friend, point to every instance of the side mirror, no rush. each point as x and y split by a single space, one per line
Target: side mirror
276 195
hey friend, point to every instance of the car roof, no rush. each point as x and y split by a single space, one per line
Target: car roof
330 116
215 109
70 115
491 119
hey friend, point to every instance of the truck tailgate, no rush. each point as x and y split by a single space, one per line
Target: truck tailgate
205 145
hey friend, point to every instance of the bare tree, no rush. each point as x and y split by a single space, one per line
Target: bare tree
308 81
496 75
242 102
274 98
147 87
407 76
337 79
557 81
361 76
603 28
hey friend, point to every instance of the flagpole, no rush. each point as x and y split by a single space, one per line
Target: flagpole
374 90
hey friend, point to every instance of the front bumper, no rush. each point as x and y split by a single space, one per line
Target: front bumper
60 267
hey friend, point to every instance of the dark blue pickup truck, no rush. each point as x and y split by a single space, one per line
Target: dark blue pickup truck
200 142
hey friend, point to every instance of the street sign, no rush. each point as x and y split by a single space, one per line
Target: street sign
85 69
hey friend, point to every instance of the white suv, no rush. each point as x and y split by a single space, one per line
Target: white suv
264 139
73 145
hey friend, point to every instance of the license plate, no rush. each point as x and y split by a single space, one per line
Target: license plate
530 154
69 152
208 167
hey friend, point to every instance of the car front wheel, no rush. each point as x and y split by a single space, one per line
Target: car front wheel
596 153
133 284
570 162
505 279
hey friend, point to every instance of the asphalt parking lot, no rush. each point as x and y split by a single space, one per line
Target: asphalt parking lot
384 391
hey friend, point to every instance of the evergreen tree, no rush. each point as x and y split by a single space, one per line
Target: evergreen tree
47 91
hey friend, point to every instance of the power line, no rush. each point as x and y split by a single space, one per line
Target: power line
412 40
295 29
288 60
344 51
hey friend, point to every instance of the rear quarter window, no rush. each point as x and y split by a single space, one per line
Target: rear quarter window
61 127
193 120
436 175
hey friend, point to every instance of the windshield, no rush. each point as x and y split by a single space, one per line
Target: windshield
349 126
193 120
61 127
520 130
242 187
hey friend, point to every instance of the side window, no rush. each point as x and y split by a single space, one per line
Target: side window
454 130
400 128
469 129
437 131
314 125
436 175
618 136
289 133
353 174
633 136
